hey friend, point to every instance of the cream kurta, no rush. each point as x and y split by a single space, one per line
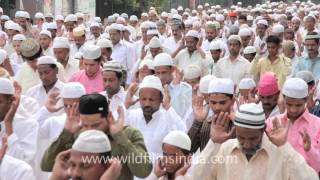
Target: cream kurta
183 60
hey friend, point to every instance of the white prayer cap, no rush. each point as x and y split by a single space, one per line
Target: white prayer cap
220 17
295 88
263 22
115 26
278 28
250 116
91 51
14 26
112 66
177 16
173 11
154 42
188 22
180 8
18 37
94 24
151 81
133 18
5 17
307 76
61 42
200 7
78 31
59 18
39 15
234 37
1 10
148 63
71 18
250 18
116 15
244 32
163 59
204 83
192 33
152 32
49 15
80 15
164 14
78 55
92 141
97 19
179 139
249 50
104 43
206 5
46 32
51 25
46 60
120 20
124 15
192 72
247 83
145 25
6 86
144 15
221 85
22 14
3 55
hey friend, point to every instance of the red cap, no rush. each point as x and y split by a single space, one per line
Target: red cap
232 14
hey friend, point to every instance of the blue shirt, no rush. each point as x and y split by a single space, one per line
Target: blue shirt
307 64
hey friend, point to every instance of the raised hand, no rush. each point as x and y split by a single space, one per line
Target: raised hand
130 93
159 170
252 96
72 123
60 167
306 139
4 146
199 43
200 112
178 76
183 170
310 102
115 126
166 98
53 98
143 52
279 132
113 171
219 132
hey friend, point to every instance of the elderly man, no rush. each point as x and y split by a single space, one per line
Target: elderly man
191 53
257 154
173 42
90 77
152 115
304 129
93 113
233 66
261 36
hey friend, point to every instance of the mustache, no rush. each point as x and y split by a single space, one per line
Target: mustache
147 108
250 151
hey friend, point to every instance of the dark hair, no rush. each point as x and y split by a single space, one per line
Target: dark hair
37 55
119 75
185 152
273 39
228 95
98 59
243 17
53 66
311 83
109 49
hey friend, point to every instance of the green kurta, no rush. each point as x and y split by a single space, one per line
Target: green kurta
128 145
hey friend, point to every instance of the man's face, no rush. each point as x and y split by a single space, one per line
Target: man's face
106 53
155 51
242 21
61 53
22 22
144 33
111 82
191 43
17 46
143 72
269 102
67 104
296 24
245 40
95 31
289 34
295 107
79 40
11 32
69 26
81 170
45 41
91 67
249 139
150 100
261 29
164 73
49 19
193 82
173 158
312 46
234 47
187 28
211 33
5 103
309 23
176 31
215 54
53 32
273 49
249 57
289 52
161 29
94 121
220 103
115 36
47 74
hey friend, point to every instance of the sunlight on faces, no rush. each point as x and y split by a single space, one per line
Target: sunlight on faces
220 102
295 107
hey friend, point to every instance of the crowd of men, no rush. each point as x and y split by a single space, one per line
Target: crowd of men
210 93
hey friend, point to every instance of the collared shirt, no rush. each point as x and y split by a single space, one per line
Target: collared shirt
180 97
74 49
117 99
281 67
94 84
71 68
312 124
307 64
16 58
39 93
258 42
227 162
171 44
162 122
234 70
15 169
184 59
48 52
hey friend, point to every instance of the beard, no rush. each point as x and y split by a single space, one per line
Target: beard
250 152
148 112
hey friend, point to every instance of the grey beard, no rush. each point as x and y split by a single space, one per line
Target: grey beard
250 152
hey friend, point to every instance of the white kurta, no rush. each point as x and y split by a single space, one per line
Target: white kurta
171 44
162 122
181 99
71 68
15 169
183 60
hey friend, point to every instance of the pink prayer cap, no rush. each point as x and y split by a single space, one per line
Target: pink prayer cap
268 84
